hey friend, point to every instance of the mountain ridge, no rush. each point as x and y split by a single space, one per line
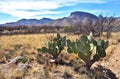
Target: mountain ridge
28 22
72 19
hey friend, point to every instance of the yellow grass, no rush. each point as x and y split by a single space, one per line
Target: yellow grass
30 40
29 44
36 40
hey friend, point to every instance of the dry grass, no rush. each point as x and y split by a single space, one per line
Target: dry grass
11 46
34 40
31 42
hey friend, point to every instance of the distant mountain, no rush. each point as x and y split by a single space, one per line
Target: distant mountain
74 18
29 22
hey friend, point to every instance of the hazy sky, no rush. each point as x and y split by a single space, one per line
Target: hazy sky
13 10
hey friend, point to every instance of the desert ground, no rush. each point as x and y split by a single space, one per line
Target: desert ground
32 67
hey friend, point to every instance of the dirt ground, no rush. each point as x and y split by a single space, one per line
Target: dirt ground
113 63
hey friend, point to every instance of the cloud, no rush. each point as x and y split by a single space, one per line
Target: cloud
30 8
27 14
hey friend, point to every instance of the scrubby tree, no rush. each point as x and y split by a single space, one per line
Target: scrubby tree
109 25
106 24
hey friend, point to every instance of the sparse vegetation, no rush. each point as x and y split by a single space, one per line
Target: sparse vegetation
32 67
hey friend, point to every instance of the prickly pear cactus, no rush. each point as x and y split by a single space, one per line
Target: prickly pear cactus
55 46
85 46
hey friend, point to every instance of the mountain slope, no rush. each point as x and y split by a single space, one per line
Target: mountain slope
29 22
74 17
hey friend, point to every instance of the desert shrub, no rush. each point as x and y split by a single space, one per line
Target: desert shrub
10 54
17 46
2 58
7 55
68 28
25 59
88 49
